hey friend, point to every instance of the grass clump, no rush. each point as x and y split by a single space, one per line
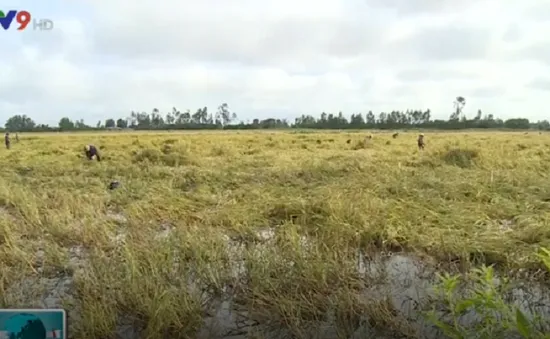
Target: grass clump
463 158
168 156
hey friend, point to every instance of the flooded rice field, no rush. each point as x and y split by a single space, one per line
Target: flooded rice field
402 282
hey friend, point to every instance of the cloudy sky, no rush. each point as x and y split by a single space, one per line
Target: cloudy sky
276 58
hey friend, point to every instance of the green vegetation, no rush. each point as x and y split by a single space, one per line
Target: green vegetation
223 118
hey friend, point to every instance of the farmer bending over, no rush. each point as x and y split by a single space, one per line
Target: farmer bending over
91 152
421 141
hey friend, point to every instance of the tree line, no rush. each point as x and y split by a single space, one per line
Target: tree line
223 118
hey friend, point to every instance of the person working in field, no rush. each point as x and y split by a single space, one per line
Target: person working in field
7 140
91 152
421 141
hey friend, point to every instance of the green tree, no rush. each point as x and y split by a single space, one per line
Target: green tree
80 124
458 104
224 115
517 123
122 123
543 125
19 123
66 124
110 123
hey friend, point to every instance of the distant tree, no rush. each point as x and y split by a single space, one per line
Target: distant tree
357 120
371 119
183 118
156 118
110 123
224 118
143 120
458 104
176 113
206 118
517 123
122 123
66 124
224 115
171 117
19 123
543 125
196 117
478 115
80 124
132 119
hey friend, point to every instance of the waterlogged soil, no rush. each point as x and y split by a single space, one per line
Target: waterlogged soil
406 281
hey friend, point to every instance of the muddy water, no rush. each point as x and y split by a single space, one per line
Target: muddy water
405 280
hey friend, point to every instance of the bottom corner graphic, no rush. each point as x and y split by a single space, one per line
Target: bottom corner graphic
32 324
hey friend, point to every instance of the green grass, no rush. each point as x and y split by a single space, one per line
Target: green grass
468 199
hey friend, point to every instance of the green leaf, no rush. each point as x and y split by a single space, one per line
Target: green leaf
545 257
447 329
522 323
489 274
463 305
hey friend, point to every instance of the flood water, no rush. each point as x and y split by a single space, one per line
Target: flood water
406 281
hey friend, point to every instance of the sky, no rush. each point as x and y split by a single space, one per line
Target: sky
276 58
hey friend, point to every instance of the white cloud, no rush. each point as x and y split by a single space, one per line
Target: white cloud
278 58
542 84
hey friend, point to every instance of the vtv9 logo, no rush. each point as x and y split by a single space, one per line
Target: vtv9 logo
23 18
